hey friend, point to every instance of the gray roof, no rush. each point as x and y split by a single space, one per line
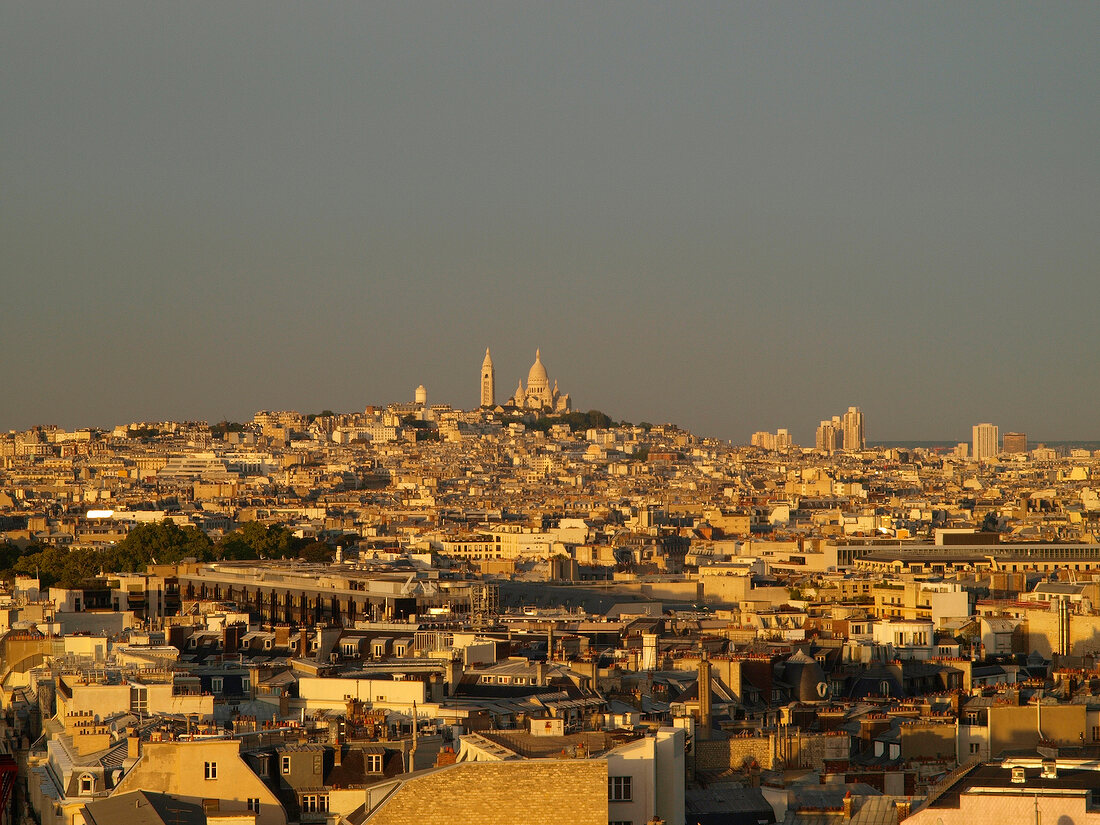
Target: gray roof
144 808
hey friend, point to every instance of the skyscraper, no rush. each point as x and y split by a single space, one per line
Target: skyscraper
1015 443
986 441
488 381
853 429
826 439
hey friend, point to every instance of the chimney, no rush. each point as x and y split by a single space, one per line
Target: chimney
447 756
133 744
704 696
846 805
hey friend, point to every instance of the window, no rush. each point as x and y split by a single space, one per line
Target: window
620 822
317 763
261 769
216 684
254 805
139 700
314 803
374 763
620 788
211 770
246 684
87 783
973 747
286 764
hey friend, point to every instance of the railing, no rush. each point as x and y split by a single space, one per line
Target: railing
941 787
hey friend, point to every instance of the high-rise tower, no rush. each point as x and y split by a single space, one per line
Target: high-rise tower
986 441
853 429
488 381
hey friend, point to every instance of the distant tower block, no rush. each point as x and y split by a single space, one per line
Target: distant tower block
852 424
987 442
421 396
488 381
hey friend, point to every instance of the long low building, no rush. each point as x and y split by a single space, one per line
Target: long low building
312 594
942 559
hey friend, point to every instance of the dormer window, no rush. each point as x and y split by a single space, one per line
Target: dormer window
87 783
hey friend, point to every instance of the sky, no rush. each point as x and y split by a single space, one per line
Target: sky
729 216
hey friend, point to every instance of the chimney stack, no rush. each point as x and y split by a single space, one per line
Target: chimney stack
847 805
133 744
704 696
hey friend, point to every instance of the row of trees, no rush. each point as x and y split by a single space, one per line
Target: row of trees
576 420
157 543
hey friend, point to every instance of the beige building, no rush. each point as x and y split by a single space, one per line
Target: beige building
209 772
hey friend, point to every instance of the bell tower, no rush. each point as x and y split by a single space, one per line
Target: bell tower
488 381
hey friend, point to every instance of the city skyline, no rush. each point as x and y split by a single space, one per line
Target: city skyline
847 429
480 413
736 218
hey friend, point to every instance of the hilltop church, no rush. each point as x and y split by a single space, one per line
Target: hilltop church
538 396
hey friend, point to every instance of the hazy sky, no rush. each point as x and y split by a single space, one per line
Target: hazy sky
730 216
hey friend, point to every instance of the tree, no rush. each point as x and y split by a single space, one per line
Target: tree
317 551
233 547
61 566
9 555
165 542
255 540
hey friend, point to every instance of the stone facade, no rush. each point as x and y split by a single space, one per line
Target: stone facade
794 750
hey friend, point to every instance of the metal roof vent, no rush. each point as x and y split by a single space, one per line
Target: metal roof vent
1018 777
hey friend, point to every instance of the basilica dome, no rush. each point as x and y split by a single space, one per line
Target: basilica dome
537 380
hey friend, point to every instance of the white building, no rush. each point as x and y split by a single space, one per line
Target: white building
908 638
986 441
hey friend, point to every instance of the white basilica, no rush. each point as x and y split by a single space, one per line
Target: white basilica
539 395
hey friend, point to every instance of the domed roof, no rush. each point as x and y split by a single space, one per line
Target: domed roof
537 376
805 675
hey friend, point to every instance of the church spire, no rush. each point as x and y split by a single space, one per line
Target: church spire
488 381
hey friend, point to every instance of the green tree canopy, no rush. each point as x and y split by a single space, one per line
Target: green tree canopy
255 540
61 566
163 542
317 551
